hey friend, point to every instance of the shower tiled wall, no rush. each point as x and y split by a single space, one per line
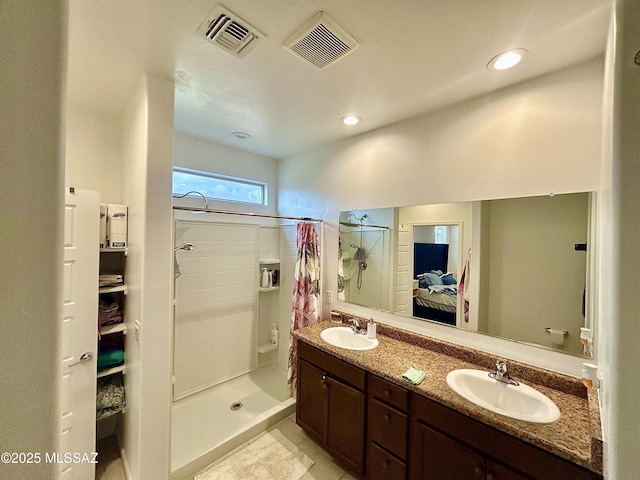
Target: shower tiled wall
216 311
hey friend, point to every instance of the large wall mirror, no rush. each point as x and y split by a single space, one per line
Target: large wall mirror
517 268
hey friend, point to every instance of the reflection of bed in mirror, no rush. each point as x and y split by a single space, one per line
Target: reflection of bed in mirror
436 297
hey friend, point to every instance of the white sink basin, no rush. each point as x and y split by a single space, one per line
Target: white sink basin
520 402
343 337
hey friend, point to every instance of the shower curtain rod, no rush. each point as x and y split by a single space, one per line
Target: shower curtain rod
347 224
246 214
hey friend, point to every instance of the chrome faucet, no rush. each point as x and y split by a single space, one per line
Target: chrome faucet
355 325
501 374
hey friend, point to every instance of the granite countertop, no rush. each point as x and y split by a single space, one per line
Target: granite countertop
575 436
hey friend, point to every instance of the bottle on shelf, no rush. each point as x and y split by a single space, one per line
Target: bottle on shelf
264 282
275 335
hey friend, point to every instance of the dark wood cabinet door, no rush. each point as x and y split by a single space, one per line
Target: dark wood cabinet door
311 405
345 424
437 457
496 471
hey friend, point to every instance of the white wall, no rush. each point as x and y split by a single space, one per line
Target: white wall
198 154
534 138
94 152
31 229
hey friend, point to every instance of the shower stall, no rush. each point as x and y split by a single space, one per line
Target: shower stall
229 380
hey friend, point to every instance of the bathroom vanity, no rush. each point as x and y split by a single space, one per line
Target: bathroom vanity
378 426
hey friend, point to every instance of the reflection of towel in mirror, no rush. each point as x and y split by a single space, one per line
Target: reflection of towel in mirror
463 287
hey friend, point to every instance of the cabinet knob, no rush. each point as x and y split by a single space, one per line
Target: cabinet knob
480 472
387 393
490 476
324 381
387 417
386 464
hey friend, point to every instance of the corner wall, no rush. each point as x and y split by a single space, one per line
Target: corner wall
94 152
148 133
620 262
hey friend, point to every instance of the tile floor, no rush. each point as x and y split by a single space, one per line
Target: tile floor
324 468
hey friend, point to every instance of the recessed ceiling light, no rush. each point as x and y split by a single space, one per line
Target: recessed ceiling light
351 120
507 59
241 135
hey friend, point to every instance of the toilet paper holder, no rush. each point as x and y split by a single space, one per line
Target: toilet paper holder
549 329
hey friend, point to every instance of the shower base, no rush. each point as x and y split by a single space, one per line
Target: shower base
204 427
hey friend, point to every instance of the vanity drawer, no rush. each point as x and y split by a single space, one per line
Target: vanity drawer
333 366
389 393
388 427
381 465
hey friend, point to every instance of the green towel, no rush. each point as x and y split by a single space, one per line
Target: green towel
414 376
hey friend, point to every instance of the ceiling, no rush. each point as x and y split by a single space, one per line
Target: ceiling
413 56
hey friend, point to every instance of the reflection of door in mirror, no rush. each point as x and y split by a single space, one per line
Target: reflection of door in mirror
435 272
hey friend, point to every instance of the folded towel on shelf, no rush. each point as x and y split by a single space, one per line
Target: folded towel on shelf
110 397
110 356
414 376
109 313
107 280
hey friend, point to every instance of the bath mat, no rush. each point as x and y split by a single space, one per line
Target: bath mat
271 457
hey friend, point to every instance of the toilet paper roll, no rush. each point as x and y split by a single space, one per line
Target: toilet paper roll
557 336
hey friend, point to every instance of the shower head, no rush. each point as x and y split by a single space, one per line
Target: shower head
185 246
361 219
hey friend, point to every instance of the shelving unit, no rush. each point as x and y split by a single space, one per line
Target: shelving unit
111 371
268 304
274 265
117 289
112 262
267 347
268 289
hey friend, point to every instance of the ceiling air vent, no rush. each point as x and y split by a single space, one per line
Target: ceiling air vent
321 42
229 32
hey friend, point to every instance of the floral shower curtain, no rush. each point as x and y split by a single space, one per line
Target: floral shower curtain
304 306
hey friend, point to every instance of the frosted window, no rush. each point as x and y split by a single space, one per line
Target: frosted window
218 187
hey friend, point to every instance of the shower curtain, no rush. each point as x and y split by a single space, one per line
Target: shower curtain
304 305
